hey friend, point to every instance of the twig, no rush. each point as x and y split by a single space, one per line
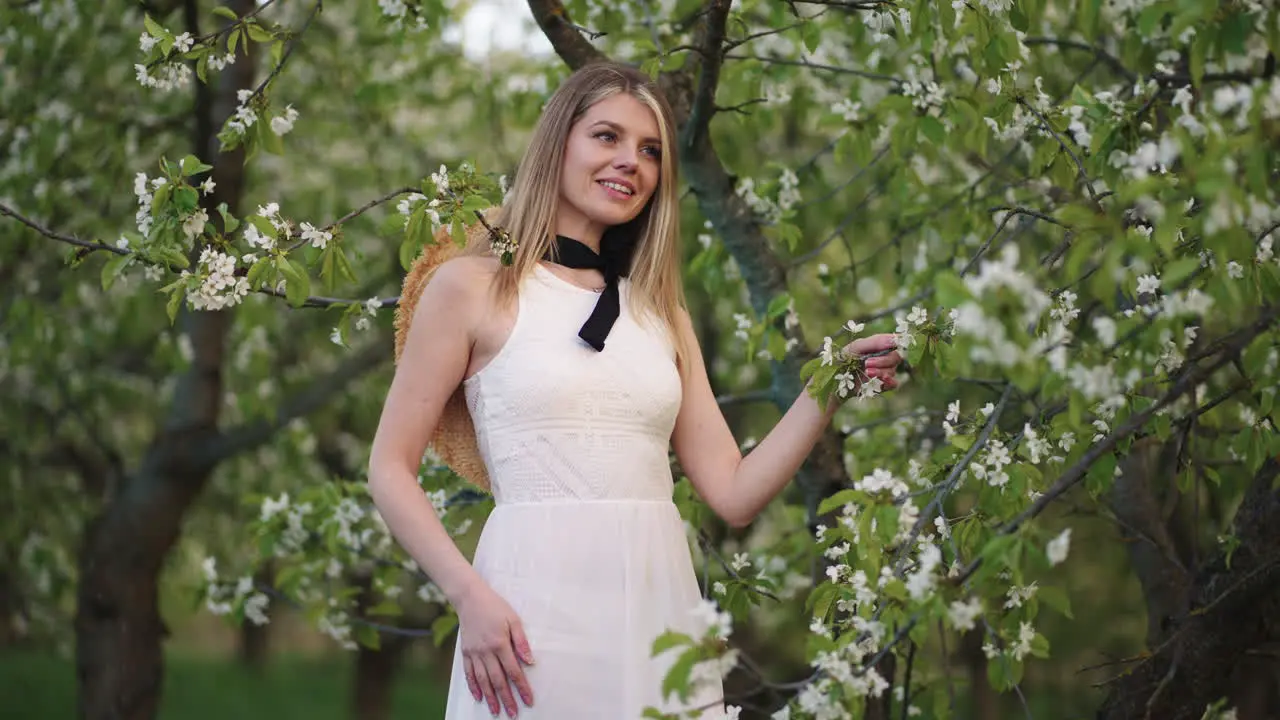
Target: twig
91 245
288 52
1186 382
357 212
817 66
1084 176
953 478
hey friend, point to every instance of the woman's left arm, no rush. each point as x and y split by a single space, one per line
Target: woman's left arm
737 488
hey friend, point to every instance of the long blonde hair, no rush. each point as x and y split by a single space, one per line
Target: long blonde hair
529 211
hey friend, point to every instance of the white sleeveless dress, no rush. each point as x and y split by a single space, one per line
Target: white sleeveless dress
584 542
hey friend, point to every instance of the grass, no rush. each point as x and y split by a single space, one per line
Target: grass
42 687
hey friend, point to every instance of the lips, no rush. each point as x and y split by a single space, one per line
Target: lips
618 187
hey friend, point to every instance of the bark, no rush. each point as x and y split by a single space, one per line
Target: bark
119 631
255 640
1153 554
375 670
984 702
1225 645
375 674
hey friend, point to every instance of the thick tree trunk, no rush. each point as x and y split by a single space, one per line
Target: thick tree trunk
375 674
255 640
1225 645
1154 556
983 700
119 631
119 659
375 670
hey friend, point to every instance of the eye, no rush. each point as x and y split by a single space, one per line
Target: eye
654 151
605 135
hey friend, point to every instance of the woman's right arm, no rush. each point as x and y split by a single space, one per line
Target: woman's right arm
433 362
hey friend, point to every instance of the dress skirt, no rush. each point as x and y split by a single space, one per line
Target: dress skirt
594 583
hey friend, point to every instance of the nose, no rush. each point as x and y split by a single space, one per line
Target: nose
627 158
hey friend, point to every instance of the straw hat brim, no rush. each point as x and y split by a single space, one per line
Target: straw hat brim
454 439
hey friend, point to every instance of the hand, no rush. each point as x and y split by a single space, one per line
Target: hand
882 366
493 646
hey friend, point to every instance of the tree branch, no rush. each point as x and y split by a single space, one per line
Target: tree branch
91 245
696 126
254 434
565 37
1186 382
817 66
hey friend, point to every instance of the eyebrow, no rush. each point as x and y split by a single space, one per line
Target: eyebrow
620 129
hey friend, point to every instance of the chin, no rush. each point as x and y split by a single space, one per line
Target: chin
614 217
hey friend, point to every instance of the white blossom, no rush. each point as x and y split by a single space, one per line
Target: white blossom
1058 547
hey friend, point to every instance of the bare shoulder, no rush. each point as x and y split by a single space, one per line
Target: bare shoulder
465 277
461 285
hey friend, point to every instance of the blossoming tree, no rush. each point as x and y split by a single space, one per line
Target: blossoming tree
1063 210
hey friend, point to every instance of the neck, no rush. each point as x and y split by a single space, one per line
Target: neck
582 230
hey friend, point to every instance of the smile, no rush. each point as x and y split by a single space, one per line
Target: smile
617 188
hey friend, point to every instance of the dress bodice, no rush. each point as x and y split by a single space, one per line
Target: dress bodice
556 420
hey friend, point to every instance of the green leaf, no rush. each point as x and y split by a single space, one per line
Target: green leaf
258 33
1178 270
1040 646
229 221
155 29
811 34
933 129
186 199
112 269
677 678
366 635
442 627
1101 475
1056 598
822 599
669 639
297 283
175 302
837 501
1018 18
226 12
1199 52
778 306
950 289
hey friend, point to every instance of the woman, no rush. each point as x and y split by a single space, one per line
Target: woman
580 369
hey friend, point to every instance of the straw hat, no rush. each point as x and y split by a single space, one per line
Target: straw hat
454 439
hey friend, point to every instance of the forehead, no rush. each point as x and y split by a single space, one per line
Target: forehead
631 115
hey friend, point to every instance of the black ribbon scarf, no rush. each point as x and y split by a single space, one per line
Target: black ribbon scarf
614 261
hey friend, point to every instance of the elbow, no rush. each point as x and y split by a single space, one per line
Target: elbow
737 518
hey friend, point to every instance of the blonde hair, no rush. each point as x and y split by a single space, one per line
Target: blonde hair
529 211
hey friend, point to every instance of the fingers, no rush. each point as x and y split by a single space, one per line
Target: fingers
521 643
874 344
501 683
486 684
884 361
472 684
511 666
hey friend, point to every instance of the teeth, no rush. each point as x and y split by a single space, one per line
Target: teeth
616 186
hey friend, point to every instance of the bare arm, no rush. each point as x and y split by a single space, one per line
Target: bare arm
432 365
735 487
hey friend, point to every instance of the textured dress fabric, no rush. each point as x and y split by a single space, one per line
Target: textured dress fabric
584 541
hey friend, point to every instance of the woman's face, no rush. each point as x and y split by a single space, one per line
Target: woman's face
611 164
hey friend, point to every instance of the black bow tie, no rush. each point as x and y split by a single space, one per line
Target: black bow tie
614 261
